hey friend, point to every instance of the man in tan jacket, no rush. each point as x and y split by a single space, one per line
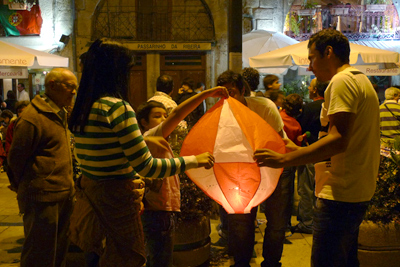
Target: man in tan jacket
41 171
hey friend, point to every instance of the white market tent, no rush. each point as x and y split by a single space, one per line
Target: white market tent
12 55
260 41
372 61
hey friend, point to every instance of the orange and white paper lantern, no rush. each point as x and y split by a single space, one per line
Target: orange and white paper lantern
232 132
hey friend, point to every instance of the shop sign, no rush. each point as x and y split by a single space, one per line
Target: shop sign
376 71
169 46
14 73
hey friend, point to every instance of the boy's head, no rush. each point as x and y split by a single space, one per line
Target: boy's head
150 114
6 116
293 105
271 82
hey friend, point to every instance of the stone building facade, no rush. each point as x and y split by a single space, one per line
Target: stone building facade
265 14
180 48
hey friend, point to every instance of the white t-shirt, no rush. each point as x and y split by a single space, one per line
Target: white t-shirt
23 96
351 176
267 110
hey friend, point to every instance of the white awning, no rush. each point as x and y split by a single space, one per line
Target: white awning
17 55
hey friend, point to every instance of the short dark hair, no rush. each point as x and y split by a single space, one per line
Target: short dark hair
144 110
22 85
165 84
275 94
321 87
7 114
269 79
189 82
231 77
293 104
11 95
330 37
252 77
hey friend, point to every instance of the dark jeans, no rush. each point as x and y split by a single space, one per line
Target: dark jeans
336 225
241 235
277 209
159 228
306 191
45 226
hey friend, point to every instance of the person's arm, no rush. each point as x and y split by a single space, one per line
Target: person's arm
182 110
137 153
337 140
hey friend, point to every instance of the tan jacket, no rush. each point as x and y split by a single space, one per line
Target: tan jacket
40 155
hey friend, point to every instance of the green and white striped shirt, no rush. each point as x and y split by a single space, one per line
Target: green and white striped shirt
112 144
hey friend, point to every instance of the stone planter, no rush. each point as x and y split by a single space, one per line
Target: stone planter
192 242
379 245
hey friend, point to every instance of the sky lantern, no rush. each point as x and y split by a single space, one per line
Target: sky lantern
232 132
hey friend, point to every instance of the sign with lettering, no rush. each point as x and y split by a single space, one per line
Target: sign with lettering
14 73
169 46
369 70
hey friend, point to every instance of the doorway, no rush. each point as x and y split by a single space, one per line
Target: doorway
182 65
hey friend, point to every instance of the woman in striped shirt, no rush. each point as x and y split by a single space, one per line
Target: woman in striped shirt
111 151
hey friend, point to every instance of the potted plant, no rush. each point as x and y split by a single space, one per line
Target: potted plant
379 237
192 235
297 87
295 23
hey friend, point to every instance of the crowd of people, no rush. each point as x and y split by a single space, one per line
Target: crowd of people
121 210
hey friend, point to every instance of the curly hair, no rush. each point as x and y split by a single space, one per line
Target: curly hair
293 104
231 77
252 77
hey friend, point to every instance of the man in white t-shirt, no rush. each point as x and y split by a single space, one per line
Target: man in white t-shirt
345 184
165 86
22 94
